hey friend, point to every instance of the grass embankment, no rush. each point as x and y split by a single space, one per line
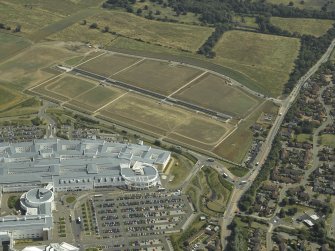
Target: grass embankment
211 187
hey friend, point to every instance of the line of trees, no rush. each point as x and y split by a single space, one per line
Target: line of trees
206 48
248 198
311 50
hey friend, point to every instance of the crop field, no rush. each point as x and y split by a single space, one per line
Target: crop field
304 26
158 76
214 93
236 146
108 64
26 68
162 119
10 44
266 60
155 32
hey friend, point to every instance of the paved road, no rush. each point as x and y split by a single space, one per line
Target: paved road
50 131
265 149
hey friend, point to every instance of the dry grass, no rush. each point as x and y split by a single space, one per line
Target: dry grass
266 59
214 93
109 64
180 36
158 76
306 26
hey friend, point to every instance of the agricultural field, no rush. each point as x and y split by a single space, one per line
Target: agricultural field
306 4
214 93
266 60
108 64
304 26
246 21
155 32
158 76
26 68
236 146
11 44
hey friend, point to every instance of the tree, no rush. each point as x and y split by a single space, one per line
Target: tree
94 26
139 11
83 22
105 29
17 28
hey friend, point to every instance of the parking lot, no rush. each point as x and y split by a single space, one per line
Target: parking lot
136 220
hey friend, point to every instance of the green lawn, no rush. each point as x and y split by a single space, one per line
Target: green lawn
238 171
304 26
304 138
328 140
265 59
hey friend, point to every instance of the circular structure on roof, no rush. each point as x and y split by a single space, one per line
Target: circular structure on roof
36 197
140 176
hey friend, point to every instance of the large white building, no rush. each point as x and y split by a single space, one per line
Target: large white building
42 167
79 165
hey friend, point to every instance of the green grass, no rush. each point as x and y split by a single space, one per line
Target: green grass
70 199
11 44
246 21
24 70
30 19
189 18
307 4
238 171
304 138
55 27
304 26
13 201
266 59
8 98
155 32
60 7
328 140
180 169
237 145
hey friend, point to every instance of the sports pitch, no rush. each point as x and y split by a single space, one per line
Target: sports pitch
215 93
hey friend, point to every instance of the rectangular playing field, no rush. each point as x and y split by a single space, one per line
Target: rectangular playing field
108 64
267 60
215 93
158 76
163 119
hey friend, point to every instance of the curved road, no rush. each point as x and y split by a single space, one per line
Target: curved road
265 149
